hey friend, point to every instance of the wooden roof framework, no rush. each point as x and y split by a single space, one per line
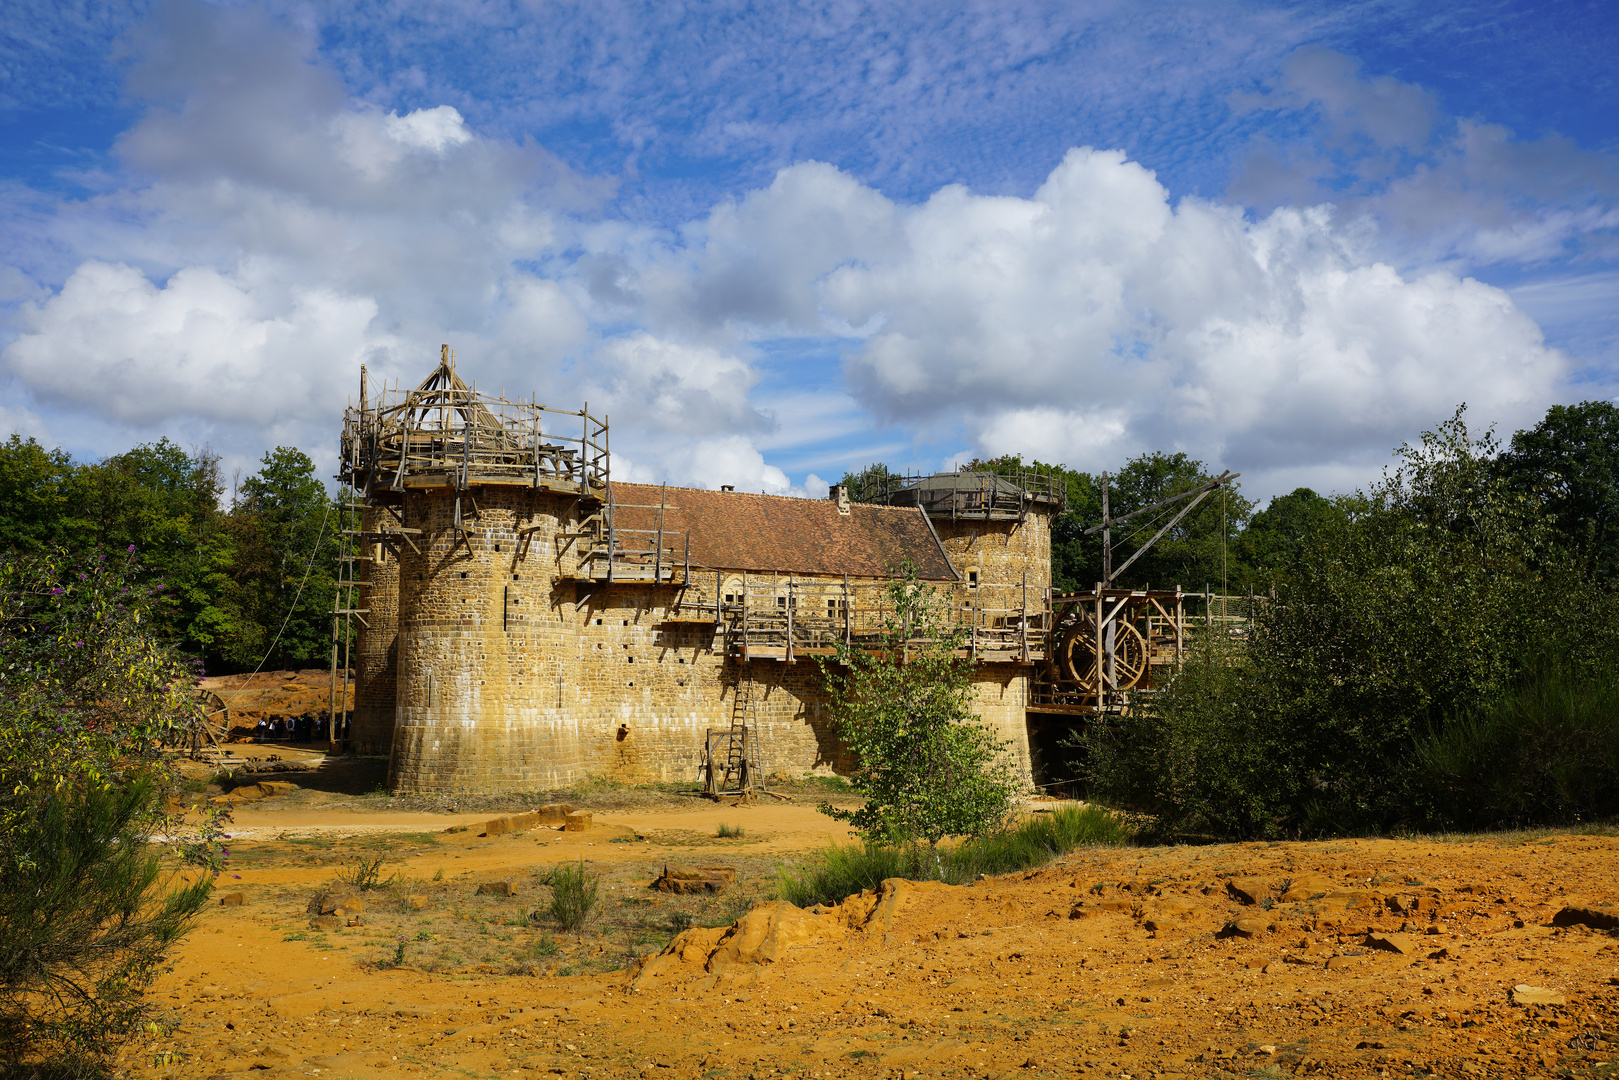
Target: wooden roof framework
445 433
971 493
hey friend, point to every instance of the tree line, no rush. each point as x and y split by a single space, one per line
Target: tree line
238 575
249 571
1438 650
1442 652
1566 468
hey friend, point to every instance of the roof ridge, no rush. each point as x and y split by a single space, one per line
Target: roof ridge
768 495
716 491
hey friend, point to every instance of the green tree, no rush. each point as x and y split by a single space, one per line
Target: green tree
38 504
1570 461
1200 549
870 484
89 697
927 767
164 503
1417 602
284 531
90 690
1424 603
1280 537
155 497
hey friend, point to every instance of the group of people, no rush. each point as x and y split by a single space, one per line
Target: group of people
295 729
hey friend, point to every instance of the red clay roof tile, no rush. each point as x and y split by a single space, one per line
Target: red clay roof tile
733 530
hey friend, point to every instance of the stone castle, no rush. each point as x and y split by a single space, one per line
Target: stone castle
526 621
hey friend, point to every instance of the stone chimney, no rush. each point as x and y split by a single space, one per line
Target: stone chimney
840 495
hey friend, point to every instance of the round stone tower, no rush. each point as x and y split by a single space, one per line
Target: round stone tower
995 529
482 702
376 649
483 516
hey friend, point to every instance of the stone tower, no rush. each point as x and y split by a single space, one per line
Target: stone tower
459 664
376 645
996 530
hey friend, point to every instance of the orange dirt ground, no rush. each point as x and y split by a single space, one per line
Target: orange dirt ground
1387 958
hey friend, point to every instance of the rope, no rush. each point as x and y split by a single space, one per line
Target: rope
308 566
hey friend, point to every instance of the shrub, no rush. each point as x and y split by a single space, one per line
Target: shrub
1208 758
1545 752
365 875
730 832
845 870
89 698
926 765
1420 602
85 922
573 894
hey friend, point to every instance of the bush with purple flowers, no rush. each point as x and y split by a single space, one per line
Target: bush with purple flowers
89 697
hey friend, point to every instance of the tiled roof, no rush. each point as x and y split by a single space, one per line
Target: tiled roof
733 530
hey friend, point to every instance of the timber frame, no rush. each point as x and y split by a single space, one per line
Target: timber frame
783 617
446 435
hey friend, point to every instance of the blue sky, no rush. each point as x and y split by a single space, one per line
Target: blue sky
778 241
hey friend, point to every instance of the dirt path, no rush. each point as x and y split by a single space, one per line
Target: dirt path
1385 958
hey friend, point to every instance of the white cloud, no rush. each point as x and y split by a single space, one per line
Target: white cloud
273 235
713 463
205 344
1095 319
433 129
1441 190
273 232
659 388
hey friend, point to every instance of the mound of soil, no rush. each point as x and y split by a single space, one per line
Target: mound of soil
1348 958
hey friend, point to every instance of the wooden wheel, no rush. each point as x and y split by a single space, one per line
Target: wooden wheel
1076 654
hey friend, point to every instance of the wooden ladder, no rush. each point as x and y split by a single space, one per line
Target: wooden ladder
733 757
737 775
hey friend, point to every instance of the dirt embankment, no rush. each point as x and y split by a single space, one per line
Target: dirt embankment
1348 958
273 695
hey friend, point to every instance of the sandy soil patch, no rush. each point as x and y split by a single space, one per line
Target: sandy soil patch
1346 958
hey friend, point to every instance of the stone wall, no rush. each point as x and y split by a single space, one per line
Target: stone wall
1003 554
485 647
512 677
376 651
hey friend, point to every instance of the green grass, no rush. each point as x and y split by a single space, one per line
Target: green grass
365 875
573 894
730 832
842 871
835 785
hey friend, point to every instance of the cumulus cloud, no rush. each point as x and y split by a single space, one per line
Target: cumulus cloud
756 261
1096 319
204 343
272 232
733 459
660 388
1439 189
434 129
